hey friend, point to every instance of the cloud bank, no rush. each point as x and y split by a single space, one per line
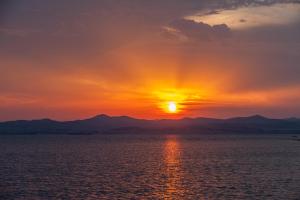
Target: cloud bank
68 60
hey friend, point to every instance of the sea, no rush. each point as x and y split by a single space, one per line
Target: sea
145 166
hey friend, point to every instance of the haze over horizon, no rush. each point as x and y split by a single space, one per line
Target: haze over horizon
149 59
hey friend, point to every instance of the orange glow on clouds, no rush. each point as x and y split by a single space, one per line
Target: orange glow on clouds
125 71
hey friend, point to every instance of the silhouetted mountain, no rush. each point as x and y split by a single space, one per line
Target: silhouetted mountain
293 119
124 124
250 119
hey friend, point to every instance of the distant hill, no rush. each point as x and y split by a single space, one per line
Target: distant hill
104 124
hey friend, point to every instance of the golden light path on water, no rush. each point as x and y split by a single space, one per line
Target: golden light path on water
173 169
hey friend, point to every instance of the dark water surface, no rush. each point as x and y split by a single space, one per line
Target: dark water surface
150 167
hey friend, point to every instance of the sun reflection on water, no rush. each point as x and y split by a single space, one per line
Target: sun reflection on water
173 170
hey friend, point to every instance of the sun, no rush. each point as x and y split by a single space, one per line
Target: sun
172 107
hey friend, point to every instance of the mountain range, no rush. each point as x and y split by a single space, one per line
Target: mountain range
104 124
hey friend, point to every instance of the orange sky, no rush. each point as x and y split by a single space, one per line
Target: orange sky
85 62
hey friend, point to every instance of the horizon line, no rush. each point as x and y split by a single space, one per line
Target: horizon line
156 119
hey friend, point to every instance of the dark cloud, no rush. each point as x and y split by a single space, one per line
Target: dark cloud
233 4
4 8
200 31
213 12
288 33
47 29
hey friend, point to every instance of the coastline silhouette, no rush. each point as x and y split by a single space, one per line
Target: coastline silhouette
104 124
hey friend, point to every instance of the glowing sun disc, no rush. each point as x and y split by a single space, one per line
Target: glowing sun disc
172 107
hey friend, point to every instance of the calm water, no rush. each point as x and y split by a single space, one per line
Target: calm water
149 167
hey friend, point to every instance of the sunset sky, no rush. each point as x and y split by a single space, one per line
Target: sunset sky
64 59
